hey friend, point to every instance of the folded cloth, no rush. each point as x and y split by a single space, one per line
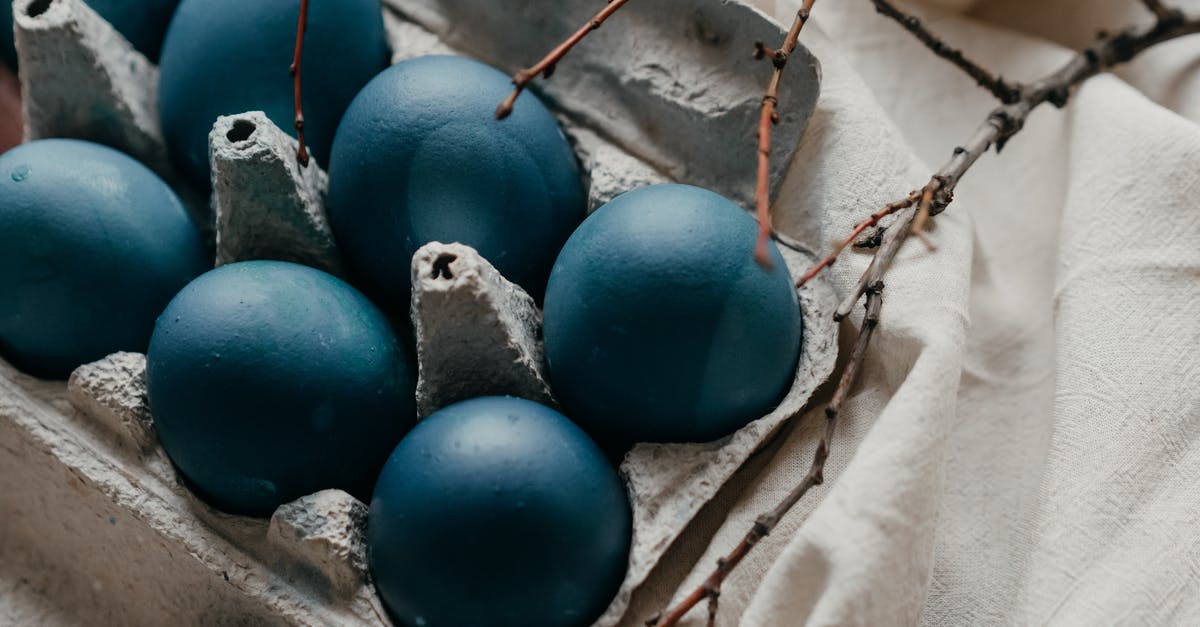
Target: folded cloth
1023 446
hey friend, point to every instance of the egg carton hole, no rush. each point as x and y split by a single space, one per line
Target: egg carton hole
80 455
241 130
38 7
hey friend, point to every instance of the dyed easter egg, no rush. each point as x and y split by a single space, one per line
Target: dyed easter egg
420 157
271 380
498 511
92 247
224 57
659 324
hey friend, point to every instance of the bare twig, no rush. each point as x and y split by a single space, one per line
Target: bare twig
888 246
1161 12
1005 121
769 118
767 522
1001 125
1004 91
546 66
859 229
294 71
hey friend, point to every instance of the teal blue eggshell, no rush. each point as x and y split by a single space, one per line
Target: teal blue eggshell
659 324
142 22
420 157
224 57
270 380
498 512
92 247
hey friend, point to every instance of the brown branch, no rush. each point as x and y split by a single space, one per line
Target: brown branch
888 246
1004 91
859 229
546 66
1001 125
1005 121
767 522
1161 11
294 71
769 118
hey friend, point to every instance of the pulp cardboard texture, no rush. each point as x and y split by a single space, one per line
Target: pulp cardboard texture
267 206
82 79
478 334
98 527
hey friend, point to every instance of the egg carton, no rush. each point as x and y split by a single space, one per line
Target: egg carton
97 525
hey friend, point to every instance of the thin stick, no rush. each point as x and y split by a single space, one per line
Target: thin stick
769 118
546 66
1161 12
1004 91
1001 125
294 71
767 522
859 229
1005 121
888 246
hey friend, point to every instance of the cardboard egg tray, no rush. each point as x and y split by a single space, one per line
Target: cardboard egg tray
97 527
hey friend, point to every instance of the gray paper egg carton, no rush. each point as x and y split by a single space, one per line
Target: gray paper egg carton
95 524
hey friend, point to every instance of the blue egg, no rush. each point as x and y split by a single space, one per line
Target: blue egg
92 247
224 57
271 380
659 324
420 157
142 22
496 512
8 47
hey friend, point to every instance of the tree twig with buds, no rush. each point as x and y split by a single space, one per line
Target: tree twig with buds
1003 90
764 524
769 118
295 70
545 67
909 213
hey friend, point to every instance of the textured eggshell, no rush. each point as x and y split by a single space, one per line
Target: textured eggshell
498 511
271 380
420 157
223 57
142 22
659 324
92 247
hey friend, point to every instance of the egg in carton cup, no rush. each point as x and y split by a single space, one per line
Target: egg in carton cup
98 519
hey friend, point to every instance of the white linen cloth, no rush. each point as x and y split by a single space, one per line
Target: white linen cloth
1023 446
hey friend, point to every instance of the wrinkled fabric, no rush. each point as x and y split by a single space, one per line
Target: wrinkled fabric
1023 446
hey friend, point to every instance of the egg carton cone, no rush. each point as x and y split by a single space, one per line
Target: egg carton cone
82 79
99 528
478 334
267 205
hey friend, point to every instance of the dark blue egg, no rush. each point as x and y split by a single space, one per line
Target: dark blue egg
271 380
659 324
8 47
92 247
420 157
495 512
142 22
223 57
